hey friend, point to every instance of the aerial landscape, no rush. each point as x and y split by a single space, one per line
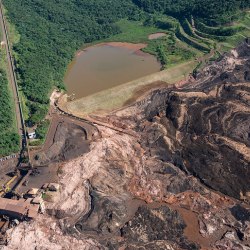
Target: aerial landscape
125 124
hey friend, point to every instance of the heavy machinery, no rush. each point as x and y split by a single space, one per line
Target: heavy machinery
6 187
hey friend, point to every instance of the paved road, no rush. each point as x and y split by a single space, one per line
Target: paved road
12 76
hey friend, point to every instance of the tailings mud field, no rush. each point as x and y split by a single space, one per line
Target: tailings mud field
178 180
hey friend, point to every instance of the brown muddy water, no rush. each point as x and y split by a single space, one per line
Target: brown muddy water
107 65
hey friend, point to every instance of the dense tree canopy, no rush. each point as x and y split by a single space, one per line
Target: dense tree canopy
51 31
218 11
9 139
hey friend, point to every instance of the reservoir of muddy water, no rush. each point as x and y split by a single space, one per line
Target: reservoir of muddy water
107 65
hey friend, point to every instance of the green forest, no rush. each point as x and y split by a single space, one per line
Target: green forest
9 138
213 11
52 31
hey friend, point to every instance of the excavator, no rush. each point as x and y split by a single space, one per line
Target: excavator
6 187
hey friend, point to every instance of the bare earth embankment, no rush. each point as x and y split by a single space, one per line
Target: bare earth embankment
156 36
116 97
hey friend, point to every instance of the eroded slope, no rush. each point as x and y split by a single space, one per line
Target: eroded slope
177 178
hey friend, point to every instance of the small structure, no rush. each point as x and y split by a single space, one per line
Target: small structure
31 132
32 135
40 202
18 209
37 200
33 192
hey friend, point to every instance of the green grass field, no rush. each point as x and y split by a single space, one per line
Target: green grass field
133 32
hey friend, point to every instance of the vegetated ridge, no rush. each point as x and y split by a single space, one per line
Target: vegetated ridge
50 33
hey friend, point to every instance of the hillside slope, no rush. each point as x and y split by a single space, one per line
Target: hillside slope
178 180
51 32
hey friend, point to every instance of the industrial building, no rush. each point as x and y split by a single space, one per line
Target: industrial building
18 209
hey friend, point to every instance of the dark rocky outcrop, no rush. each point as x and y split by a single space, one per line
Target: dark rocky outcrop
156 224
207 124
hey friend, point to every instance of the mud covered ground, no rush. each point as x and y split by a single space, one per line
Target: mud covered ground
67 139
208 125
176 178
